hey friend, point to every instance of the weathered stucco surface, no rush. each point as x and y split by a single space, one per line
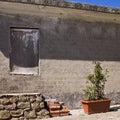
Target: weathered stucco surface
70 40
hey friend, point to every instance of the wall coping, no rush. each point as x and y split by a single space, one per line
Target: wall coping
73 5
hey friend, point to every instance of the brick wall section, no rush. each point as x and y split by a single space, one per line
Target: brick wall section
62 3
22 106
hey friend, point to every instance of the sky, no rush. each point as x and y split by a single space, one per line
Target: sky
108 3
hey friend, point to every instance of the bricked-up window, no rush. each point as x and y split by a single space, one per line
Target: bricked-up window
24 51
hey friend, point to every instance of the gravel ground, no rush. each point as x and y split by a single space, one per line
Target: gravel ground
79 114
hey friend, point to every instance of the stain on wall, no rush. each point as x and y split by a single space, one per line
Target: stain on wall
24 51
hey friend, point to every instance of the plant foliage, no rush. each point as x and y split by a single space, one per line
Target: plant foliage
96 83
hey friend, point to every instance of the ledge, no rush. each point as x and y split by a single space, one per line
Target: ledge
62 3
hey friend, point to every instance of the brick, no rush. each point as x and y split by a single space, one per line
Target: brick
54 107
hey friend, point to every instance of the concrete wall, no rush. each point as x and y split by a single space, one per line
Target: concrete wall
70 40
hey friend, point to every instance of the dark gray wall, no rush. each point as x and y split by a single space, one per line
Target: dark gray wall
69 41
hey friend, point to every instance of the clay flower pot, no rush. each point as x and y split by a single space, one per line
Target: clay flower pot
94 91
96 106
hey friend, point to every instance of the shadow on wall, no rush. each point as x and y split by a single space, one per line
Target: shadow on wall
71 39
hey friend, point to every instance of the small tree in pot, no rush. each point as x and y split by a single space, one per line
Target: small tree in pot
95 91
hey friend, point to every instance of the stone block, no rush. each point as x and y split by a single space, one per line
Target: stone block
15 119
5 101
16 113
43 117
4 115
22 118
23 98
39 98
23 105
32 99
30 114
0 101
27 109
36 106
2 107
42 105
9 107
14 99
43 112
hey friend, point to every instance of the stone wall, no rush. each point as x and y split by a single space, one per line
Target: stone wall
70 39
23 107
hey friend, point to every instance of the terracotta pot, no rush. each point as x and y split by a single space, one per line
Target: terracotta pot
96 106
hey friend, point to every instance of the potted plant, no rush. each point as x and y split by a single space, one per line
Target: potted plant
96 101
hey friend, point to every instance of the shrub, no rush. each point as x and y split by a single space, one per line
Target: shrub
96 83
